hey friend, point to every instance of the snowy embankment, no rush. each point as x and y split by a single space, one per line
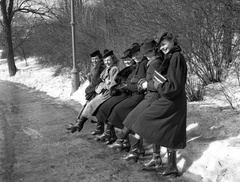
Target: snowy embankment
43 79
213 126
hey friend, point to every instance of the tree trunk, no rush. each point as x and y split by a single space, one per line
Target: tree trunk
7 17
12 69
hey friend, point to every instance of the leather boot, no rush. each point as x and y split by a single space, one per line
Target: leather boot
108 136
124 133
133 154
119 143
171 169
126 145
78 126
156 160
99 129
113 136
141 149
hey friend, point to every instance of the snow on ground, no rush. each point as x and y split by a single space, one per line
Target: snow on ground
213 127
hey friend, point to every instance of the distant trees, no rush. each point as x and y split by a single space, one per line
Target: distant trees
9 8
208 31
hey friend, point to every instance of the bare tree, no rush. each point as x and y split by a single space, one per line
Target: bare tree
8 9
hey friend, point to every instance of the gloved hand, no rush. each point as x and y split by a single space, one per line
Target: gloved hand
142 85
89 96
103 91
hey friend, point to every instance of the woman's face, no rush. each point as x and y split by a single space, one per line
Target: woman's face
95 60
150 54
166 45
128 61
108 61
137 57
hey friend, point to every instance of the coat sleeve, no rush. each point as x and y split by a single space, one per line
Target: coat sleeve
102 84
140 74
153 66
110 81
176 77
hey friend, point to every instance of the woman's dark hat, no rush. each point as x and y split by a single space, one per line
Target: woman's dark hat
126 54
107 53
95 53
163 36
135 44
135 48
148 45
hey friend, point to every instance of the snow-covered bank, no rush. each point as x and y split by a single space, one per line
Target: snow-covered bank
213 127
43 79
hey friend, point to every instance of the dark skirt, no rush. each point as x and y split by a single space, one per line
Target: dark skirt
164 123
145 103
105 109
121 110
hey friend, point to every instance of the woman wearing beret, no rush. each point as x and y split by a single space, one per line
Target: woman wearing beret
107 81
164 121
146 84
94 75
114 110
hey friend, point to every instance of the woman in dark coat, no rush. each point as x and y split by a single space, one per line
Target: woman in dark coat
154 61
129 96
121 110
94 75
164 121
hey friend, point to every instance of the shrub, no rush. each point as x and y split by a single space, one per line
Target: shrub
194 89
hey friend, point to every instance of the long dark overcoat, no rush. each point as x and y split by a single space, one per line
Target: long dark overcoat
164 121
105 109
150 96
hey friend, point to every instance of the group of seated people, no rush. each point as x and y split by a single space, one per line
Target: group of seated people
146 100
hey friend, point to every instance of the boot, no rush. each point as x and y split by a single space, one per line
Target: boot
171 168
156 160
126 145
99 129
113 136
78 126
141 149
119 143
108 136
133 154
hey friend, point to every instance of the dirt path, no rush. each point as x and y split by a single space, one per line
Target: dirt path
35 146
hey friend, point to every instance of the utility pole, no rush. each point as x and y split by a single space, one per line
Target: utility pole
75 72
